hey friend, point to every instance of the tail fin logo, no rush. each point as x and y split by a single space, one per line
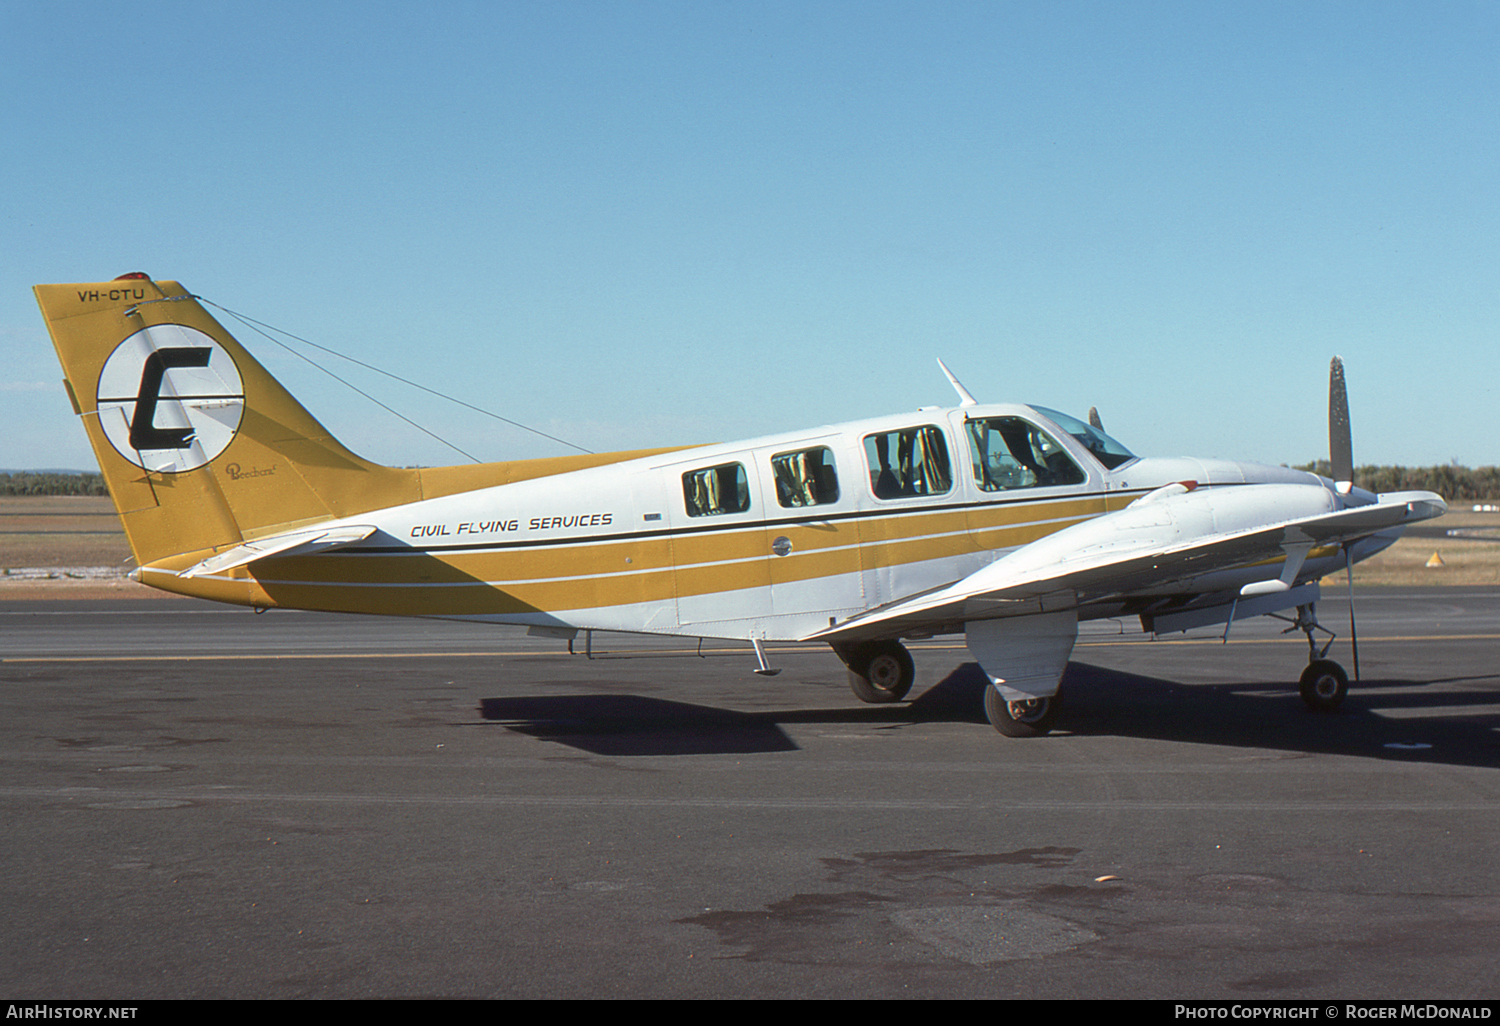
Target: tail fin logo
170 398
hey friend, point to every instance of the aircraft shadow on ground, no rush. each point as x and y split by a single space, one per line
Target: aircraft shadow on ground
1438 725
1099 702
621 725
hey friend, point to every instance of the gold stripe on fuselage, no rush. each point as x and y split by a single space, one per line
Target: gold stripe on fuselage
657 566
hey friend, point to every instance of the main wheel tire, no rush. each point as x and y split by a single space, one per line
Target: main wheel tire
880 671
1323 685
1030 718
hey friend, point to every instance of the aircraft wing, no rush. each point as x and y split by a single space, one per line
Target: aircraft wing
1158 545
292 543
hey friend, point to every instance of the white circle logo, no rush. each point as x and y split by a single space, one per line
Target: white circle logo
170 398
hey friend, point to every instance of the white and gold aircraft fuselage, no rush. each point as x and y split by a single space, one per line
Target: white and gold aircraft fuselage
1008 523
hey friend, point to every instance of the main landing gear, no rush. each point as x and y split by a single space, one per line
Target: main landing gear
1324 683
1032 717
879 671
882 671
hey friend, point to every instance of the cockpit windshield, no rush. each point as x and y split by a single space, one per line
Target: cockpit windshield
1102 447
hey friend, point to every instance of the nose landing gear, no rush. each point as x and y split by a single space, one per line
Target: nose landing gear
1324 683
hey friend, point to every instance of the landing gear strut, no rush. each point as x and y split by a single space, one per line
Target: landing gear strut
1324 683
879 671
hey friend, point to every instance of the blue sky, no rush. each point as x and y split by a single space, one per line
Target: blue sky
650 223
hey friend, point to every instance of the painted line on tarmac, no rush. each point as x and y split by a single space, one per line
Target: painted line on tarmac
95 797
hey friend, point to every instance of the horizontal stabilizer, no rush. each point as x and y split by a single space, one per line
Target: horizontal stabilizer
293 543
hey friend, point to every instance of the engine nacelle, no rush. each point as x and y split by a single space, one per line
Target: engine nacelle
1164 522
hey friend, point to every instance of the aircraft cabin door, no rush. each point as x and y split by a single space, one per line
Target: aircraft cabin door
813 558
721 573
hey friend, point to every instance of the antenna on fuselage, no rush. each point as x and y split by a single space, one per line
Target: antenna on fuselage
964 398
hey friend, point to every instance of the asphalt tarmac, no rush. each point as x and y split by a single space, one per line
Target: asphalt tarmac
203 802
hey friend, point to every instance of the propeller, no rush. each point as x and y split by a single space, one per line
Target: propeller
1341 467
1353 634
1340 436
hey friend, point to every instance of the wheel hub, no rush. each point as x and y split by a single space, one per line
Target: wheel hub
885 672
1326 686
1028 710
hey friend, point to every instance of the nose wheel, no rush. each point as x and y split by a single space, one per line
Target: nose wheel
1323 685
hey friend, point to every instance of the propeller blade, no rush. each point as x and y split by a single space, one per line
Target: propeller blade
1340 440
1341 463
1353 634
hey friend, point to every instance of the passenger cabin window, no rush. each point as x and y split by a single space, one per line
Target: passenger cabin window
912 461
714 491
1009 452
805 478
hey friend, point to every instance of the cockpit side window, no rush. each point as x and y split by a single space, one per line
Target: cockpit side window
805 478
714 491
911 461
1008 452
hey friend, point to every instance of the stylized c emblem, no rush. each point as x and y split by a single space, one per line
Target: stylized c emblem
170 398
144 434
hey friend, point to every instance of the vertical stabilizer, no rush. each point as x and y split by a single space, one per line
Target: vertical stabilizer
200 446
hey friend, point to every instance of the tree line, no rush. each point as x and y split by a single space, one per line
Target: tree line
1452 482
44 482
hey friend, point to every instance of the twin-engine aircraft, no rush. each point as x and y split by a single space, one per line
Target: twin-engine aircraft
1009 524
